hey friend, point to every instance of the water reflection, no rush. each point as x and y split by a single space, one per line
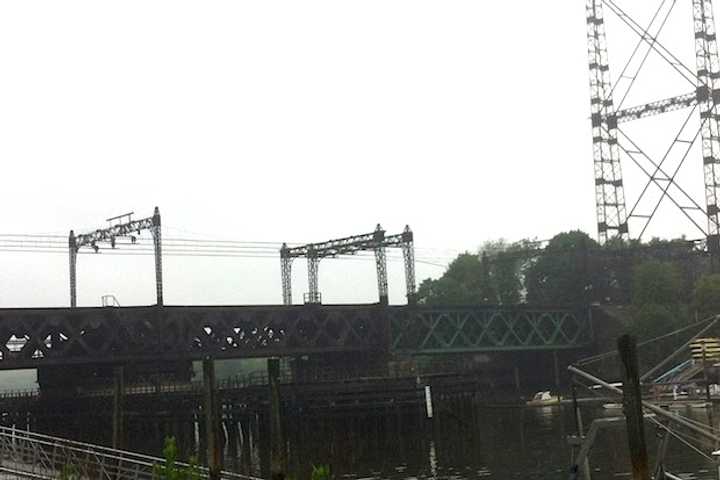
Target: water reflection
432 456
476 442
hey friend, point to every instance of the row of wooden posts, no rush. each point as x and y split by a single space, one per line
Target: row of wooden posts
211 411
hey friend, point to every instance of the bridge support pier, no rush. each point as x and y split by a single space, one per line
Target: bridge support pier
212 420
231 427
118 427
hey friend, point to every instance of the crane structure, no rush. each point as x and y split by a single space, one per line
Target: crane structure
376 241
120 226
611 140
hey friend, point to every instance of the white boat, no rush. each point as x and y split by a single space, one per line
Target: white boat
542 399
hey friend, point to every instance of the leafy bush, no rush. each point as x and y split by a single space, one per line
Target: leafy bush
69 472
321 472
171 470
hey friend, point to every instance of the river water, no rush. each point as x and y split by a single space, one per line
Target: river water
491 443
461 442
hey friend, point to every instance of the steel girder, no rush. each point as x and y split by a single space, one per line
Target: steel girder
477 329
31 338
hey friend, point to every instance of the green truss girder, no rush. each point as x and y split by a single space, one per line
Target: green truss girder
433 330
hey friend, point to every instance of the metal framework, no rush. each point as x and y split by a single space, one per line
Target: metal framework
120 226
609 193
376 241
34 338
25 454
488 328
610 140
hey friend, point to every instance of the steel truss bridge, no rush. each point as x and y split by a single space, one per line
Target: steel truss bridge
32 338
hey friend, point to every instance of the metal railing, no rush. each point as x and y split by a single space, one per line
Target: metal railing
26 454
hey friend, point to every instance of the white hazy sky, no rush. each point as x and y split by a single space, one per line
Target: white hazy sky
295 121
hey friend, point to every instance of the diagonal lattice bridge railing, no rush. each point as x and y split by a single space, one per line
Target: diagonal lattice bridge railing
429 330
26 454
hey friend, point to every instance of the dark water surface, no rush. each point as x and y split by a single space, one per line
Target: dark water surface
491 443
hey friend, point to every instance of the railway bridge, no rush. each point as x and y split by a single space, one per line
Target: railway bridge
37 337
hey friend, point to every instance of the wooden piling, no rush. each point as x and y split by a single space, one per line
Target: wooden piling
118 422
277 443
212 420
632 402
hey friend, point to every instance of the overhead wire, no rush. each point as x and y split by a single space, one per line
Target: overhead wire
196 252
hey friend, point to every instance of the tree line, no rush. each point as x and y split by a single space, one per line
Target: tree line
664 282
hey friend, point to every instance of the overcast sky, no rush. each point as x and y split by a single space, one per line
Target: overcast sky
295 121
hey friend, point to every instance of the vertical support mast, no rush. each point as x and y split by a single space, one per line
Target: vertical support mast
609 193
408 250
381 264
708 94
286 274
72 249
313 262
157 242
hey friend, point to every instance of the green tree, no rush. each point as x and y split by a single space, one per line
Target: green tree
656 282
706 295
656 295
561 274
492 276
466 282
506 265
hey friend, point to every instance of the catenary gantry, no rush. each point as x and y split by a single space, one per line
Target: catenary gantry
376 241
120 226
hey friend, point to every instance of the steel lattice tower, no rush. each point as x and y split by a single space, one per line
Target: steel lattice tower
610 140
609 193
